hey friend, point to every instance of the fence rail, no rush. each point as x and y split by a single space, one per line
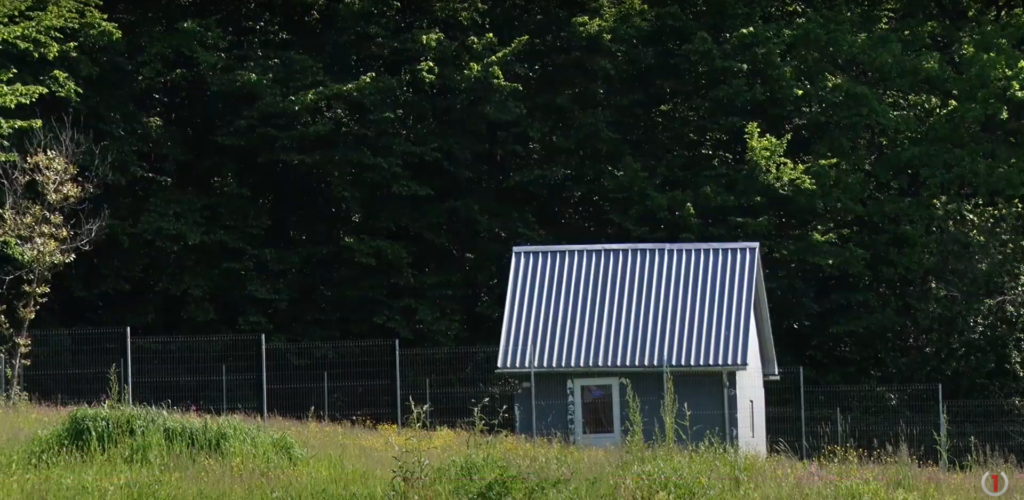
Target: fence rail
380 382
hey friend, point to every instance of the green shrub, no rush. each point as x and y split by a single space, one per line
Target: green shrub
144 434
487 475
478 475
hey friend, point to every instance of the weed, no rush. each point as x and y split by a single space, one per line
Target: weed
634 420
483 476
942 443
412 467
417 419
482 424
115 396
669 410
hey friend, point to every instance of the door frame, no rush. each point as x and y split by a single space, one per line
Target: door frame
577 384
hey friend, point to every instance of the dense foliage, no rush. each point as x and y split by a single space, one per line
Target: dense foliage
359 169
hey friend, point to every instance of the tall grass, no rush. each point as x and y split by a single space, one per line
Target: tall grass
138 435
117 452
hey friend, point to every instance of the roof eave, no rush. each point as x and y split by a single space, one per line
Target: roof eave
632 369
769 361
635 246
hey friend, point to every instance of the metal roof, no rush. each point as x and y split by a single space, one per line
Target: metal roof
685 305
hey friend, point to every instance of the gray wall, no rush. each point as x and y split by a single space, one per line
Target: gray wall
702 393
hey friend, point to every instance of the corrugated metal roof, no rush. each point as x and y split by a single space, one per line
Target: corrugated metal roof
634 306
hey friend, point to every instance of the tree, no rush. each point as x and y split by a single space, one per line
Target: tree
45 222
36 36
40 42
354 169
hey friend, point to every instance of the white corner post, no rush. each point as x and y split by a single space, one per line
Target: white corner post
128 347
263 367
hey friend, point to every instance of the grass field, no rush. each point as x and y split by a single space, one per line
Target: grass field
49 453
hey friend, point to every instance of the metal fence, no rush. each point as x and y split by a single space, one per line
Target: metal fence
74 366
208 374
452 382
980 428
380 382
353 381
807 419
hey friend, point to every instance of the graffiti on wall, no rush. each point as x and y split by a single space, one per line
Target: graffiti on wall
571 409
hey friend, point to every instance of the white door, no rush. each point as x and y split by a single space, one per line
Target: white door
597 411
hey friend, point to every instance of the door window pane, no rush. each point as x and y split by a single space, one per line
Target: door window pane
598 409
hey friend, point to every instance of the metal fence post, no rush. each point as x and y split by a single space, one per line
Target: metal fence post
428 402
223 389
664 400
398 385
839 428
3 376
263 366
803 422
942 432
128 347
325 396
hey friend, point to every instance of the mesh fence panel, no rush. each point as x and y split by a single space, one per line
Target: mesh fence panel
352 381
782 417
873 418
461 386
73 366
210 374
983 429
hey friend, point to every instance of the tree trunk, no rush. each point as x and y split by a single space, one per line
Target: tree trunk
15 369
27 313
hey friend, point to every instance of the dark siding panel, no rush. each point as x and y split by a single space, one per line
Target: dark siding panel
700 394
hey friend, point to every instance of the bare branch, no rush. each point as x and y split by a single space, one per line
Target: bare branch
68 142
86 232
